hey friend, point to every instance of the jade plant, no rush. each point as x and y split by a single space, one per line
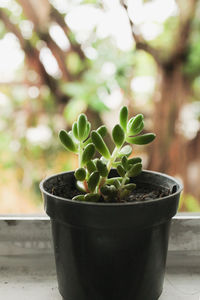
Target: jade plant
92 174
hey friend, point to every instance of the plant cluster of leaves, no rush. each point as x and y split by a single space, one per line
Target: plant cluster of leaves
92 174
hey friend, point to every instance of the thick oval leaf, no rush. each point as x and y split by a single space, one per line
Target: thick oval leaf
112 180
134 160
102 168
78 198
135 170
130 186
134 124
118 135
80 174
104 160
124 193
90 197
80 186
75 130
93 181
100 144
139 128
109 190
67 141
123 117
124 162
121 171
91 167
88 141
116 183
125 151
141 139
88 153
81 126
87 131
102 130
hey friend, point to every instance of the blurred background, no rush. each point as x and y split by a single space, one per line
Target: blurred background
59 58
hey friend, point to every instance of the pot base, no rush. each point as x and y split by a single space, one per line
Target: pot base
111 251
144 299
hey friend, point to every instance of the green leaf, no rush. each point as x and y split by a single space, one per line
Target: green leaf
75 130
112 180
93 181
67 141
88 141
78 198
124 162
130 186
142 139
91 167
100 144
125 151
104 160
81 124
102 130
134 160
80 174
101 167
123 117
88 153
109 190
118 135
134 123
87 131
135 170
116 183
80 186
124 193
92 197
116 163
121 171
139 128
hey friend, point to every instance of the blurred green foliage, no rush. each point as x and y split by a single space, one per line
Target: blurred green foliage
31 114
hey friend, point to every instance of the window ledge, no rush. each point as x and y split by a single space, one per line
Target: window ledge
27 262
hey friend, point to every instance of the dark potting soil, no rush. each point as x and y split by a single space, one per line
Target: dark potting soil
142 192
147 192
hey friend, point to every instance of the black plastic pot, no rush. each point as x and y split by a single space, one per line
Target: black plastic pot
111 251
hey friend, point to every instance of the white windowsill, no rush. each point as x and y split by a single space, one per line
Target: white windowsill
28 269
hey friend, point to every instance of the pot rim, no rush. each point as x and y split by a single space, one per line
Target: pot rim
102 204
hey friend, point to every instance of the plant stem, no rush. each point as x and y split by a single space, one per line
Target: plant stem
113 157
123 182
80 152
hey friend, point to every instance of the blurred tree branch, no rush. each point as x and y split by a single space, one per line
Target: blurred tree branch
139 40
31 14
33 58
12 27
180 48
184 30
59 19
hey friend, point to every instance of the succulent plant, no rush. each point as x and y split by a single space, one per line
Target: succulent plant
92 174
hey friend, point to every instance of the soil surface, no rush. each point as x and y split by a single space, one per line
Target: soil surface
147 192
142 192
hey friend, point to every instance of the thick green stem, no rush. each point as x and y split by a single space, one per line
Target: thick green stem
109 165
80 152
113 157
123 182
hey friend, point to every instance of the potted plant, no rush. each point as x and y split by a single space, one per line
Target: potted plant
110 220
